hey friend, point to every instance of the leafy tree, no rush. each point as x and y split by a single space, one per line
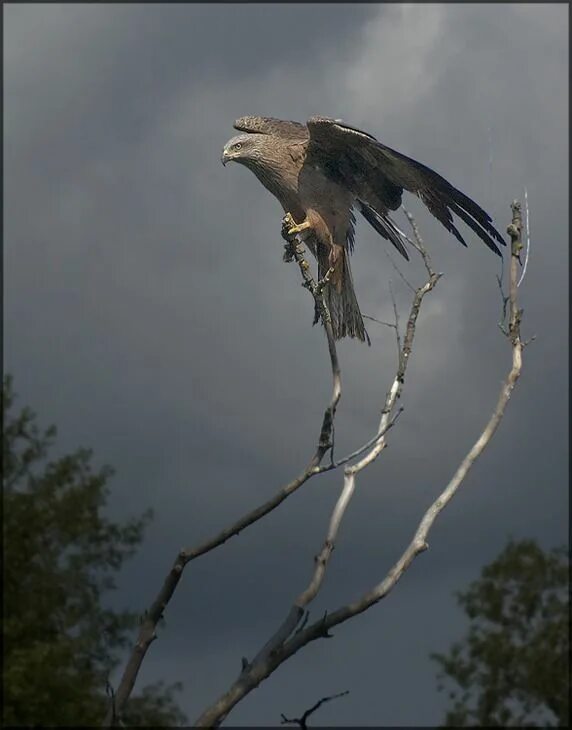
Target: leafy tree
512 668
60 556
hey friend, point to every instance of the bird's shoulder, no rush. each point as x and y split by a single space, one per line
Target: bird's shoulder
273 127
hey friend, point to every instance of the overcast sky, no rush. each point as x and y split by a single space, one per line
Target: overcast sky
149 315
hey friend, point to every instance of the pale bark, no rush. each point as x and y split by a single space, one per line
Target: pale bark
287 640
151 617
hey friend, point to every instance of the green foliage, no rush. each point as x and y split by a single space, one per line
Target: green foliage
60 556
512 668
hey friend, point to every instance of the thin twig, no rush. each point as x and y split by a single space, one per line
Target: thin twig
379 321
398 270
418 243
527 227
396 318
364 447
302 721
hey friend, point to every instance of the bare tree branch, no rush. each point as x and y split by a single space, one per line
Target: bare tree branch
147 632
301 721
396 318
265 662
288 639
279 649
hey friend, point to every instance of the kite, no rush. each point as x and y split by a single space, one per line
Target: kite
323 171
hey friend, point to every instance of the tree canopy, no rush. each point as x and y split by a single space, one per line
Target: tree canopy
512 667
61 553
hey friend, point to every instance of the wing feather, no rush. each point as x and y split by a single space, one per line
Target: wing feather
383 224
378 175
350 233
271 126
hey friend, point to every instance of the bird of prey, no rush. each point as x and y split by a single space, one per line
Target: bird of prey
321 172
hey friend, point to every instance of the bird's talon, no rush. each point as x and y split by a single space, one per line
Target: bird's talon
287 223
298 228
288 220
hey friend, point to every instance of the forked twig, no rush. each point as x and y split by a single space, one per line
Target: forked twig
302 721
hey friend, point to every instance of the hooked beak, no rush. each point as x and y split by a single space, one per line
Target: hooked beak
225 157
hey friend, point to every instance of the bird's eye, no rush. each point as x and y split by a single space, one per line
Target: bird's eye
238 145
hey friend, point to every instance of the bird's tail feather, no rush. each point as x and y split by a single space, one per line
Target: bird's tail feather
347 320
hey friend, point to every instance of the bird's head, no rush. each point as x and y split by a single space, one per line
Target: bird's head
244 148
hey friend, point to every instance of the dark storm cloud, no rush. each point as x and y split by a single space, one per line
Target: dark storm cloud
149 315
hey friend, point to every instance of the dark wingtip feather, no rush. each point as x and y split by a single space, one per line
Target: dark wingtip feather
483 219
438 207
484 231
446 199
441 198
384 226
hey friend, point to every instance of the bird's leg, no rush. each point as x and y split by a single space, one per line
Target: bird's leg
334 255
336 261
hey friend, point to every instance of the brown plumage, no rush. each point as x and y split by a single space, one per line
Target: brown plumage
323 170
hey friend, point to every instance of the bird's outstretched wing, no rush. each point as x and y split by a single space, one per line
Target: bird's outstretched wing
273 127
377 175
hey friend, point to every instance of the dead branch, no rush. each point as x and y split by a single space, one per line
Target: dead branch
301 721
379 321
283 644
147 632
265 662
